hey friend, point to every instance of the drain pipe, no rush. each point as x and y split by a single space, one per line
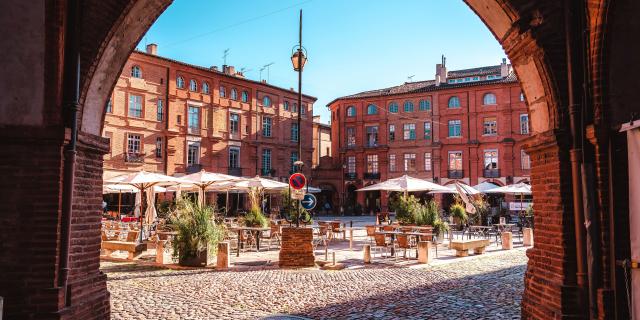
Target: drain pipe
71 98
573 93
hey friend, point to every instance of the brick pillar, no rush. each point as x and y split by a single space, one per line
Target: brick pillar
297 247
550 282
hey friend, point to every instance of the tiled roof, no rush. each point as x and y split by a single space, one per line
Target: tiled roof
430 85
218 72
481 71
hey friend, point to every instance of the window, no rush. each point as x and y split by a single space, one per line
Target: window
133 144
160 110
454 102
180 83
451 81
293 159
351 111
524 123
234 94
109 106
193 153
136 72
392 132
266 161
266 126
490 126
286 105
234 123
193 85
372 109
392 163
234 157
205 88
351 164
159 147
303 109
425 105
372 163
245 96
135 106
294 109
427 130
521 96
223 92
525 160
455 160
489 98
409 131
266 101
351 137
427 161
372 136
179 119
393 107
408 106
491 159
409 162
455 128
193 117
294 132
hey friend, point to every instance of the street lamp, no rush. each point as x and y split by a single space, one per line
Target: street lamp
298 59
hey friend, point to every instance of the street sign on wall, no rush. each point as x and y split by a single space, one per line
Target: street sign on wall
297 194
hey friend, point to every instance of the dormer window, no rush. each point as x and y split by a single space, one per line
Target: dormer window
451 81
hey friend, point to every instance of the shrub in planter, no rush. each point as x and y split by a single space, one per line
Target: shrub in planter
255 218
198 234
458 212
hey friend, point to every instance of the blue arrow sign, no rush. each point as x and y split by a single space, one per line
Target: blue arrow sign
309 201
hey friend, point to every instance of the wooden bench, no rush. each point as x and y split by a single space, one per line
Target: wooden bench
462 246
130 246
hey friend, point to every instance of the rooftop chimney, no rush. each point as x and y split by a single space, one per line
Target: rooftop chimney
214 68
152 48
441 71
230 70
504 68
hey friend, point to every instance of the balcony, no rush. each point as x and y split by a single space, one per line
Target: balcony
371 145
491 173
372 175
193 168
134 157
235 172
350 176
455 174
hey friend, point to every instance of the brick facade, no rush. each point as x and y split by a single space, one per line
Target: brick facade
428 139
167 125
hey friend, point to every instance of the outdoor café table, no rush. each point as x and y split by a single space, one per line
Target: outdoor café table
421 234
503 226
480 230
393 239
351 229
257 231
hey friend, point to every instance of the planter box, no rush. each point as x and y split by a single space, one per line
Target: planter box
203 259
297 247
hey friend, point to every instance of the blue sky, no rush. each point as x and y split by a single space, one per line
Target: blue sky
353 45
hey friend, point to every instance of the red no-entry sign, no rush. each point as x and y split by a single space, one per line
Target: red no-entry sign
297 181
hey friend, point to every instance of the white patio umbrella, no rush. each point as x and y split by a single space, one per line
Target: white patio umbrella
258 182
452 189
405 184
204 179
515 189
120 188
143 180
482 187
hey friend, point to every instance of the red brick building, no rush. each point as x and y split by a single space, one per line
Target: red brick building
465 125
171 117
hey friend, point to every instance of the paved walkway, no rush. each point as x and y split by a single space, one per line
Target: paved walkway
477 287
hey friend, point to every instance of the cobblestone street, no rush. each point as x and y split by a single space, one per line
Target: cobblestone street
487 286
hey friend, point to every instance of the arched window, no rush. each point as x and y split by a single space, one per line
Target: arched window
223 92
425 105
266 101
193 85
136 72
205 87
489 98
372 109
351 111
180 82
454 102
393 107
408 106
245 96
234 94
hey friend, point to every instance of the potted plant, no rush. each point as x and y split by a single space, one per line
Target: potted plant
197 233
459 214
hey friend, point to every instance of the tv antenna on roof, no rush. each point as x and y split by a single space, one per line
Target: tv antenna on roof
410 78
266 66
224 56
244 70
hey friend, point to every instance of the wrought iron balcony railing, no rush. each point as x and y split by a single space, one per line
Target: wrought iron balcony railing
134 157
491 173
351 176
372 175
455 174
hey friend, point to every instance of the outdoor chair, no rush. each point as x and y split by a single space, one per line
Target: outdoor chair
274 233
403 242
335 229
371 232
321 236
381 245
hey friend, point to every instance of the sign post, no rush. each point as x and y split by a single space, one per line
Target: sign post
309 201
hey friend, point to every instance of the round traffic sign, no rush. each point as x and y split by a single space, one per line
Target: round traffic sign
309 201
297 181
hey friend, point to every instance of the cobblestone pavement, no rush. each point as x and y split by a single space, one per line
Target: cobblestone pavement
484 287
